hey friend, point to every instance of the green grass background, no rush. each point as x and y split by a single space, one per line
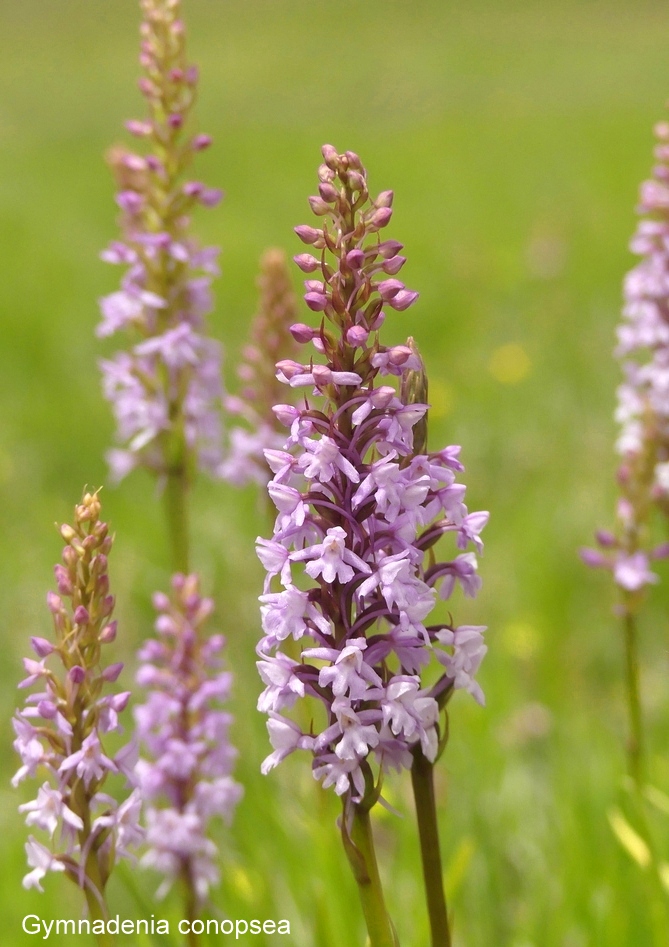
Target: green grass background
514 135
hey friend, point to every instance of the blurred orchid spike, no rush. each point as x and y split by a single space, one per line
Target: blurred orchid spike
61 731
184 775
275 335
643 441
165 389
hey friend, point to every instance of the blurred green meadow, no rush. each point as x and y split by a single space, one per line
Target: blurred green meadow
515 134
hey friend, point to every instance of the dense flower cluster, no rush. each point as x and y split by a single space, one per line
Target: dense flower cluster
165 390
60 730
186 781
643 398
361 508
270 340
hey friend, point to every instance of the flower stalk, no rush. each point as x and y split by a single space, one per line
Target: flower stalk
359 847
165 389
422 781
61 730
352 567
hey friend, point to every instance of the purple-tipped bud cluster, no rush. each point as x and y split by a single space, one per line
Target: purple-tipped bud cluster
165 390
185 778
643 397
274 335
352 567
61 730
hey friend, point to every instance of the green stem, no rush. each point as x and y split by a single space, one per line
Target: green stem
635 738
176 510
97 911
422 780
359 847
190 902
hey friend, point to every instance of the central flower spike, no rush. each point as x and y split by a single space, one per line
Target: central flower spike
352 570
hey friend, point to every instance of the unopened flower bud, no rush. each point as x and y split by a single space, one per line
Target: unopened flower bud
139 129
68 534
112 671
318 206
81 615
328 192
54 603
393 265
403 300
308 234
76 674
355 258
330 157
41 647
47 709
356 335
108 633
356 181
380 218
317 302
200 142
390 288
325 174
302 333
389 248
306 262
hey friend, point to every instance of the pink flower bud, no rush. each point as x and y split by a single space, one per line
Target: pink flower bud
355 258
316 301
302 333
357 335
325 174
308 234
318 206
211 196
47 709
389 248
107 605
54 603
108 633
403 300
285 413
385 199
393 265
200 142
328 192
63 580
380 218
112 672
134 162
381 397
306 262
289 368
42 647
356 181
139 129
175 120
81 615
330 157
130 201
606 538
161 602
77 674
389 288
